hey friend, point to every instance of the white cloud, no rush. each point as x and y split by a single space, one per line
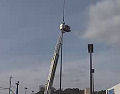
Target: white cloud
104 22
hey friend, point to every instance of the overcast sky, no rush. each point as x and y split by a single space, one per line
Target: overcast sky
28 33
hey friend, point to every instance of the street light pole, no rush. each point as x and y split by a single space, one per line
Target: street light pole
32 92
10 84
93 80
17 87
25 90
90 50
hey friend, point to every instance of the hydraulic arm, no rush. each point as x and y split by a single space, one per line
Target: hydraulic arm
64 28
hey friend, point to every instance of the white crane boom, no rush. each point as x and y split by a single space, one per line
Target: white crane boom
64 28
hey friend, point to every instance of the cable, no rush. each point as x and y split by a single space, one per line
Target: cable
64 11
3 88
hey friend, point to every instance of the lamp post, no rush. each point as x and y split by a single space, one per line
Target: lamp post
17 87
10 84
90 50
33 92
26 90
93 71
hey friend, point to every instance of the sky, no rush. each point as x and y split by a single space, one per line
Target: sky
28 34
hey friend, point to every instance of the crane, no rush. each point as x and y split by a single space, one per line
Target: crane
64 28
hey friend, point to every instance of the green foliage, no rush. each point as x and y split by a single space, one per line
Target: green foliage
101 92
69 91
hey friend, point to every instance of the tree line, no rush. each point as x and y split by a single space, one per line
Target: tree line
68 91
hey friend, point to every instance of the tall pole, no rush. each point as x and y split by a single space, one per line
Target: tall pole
10 84
32 92
25 90
91 74
93 79
90 50
61 67
17 87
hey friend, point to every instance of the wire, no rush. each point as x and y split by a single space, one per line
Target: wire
64 11
1 88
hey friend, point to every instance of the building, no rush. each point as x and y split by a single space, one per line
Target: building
114 90
87 91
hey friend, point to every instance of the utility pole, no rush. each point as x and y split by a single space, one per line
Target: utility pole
10 84
26 90
17 87
90 50
32 92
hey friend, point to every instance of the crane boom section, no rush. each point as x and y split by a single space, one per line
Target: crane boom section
53 65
